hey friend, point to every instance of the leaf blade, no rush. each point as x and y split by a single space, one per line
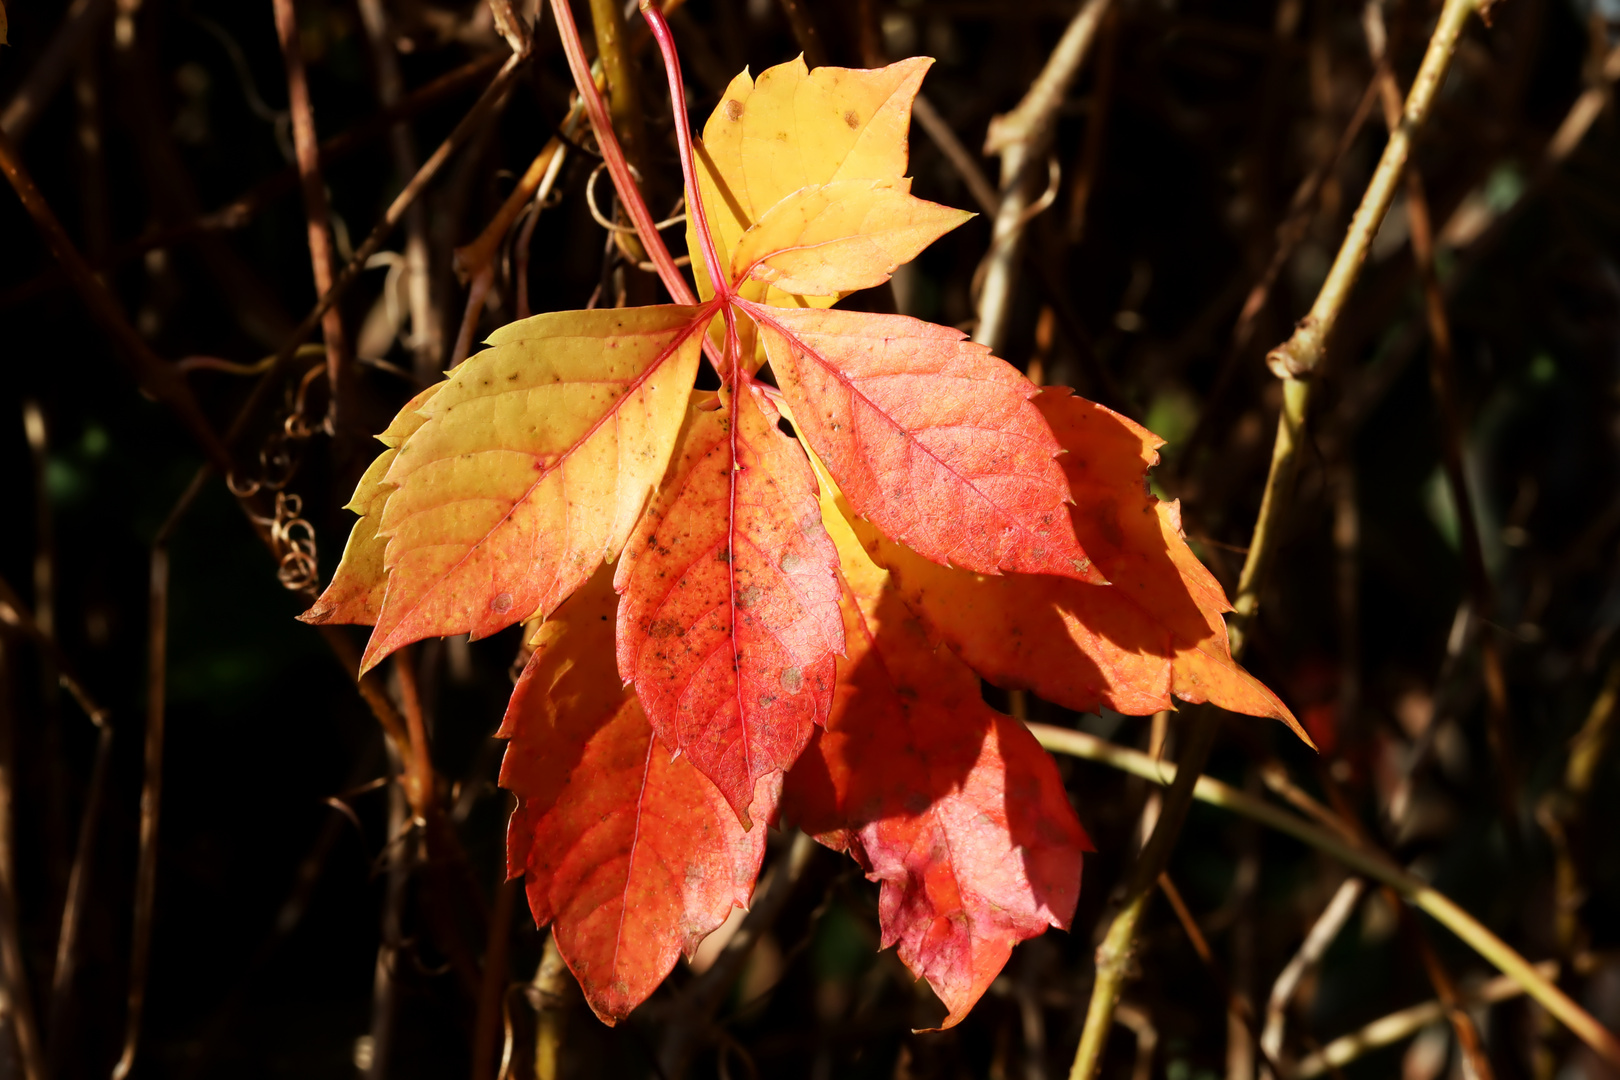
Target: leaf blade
1155 635
836 238
728 621
632 855
929 436
952 807
355 594
532 467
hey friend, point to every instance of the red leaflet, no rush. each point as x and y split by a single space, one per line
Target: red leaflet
634 855
954 808
729 621
930 437
1153 635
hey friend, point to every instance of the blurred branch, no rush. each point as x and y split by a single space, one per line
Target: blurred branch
1311 950
1114 954
154 375
317 214
1296 359
1023 139
16 998
45 78
1362 860
1398 1025
693 1013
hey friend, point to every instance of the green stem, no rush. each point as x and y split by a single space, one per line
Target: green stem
1373 864
1114 954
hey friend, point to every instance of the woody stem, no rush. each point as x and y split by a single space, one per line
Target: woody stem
683 137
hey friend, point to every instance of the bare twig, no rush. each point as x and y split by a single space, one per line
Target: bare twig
425 340
316 212
1311 950
1114 954
1023 138
78 29
154 375
152 785
16 1000
1298 357
1360 859
1398 1025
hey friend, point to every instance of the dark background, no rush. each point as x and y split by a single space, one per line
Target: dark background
272 904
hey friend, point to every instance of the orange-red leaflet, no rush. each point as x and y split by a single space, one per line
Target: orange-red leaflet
729 623
1155 635
954 808
633 856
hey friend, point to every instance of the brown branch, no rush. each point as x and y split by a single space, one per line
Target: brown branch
154 375
77 31
317 214
16 999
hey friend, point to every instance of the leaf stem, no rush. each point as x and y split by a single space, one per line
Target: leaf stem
612 153
683 138
1371 863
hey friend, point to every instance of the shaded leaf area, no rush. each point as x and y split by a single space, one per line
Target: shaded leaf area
291 939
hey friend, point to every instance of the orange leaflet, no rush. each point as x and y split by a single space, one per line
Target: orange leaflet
953 807
729 621
355 595
530 469
632 854
1155 634
931 438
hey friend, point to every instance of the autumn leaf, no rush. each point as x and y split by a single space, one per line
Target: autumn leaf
630 853
929 436
836 238
1156 634
790 129
729 622
355 594
531 467
954 808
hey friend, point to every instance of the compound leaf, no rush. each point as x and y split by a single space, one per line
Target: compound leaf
632 855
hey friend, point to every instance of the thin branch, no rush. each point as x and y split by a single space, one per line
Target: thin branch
16 999
1023 138
1298 357
77 31
373 242
317 214
1114 954
1362 860
1398 1025
153 374
1311 950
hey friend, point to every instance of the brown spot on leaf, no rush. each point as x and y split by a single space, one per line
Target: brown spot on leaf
734 109
501 603
852 120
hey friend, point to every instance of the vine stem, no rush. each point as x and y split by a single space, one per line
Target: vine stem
683 138
1362 860
613 154
1296 359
